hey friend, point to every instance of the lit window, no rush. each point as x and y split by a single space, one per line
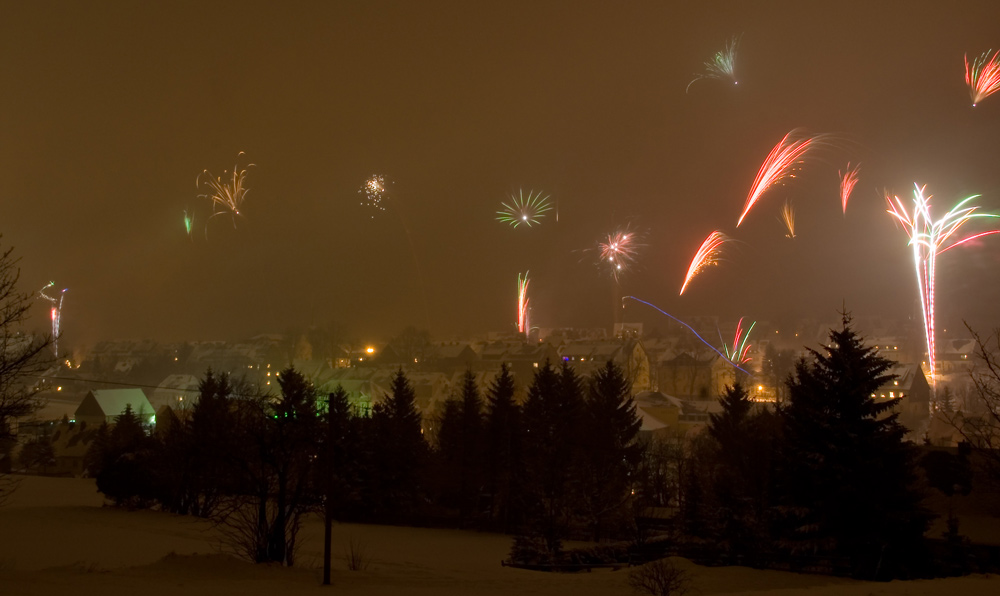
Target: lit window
892 394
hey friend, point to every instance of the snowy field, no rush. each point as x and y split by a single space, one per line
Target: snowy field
56 538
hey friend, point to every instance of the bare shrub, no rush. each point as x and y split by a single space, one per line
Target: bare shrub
357 555
660 578
22 358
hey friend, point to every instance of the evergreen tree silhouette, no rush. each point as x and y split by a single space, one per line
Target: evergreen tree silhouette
847 479
610 451
552 417
503 449
399 452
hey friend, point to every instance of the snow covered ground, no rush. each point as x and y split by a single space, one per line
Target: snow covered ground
56 538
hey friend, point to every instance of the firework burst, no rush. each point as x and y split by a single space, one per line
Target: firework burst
618 252
226 192
929 238
848 178
55 313
721 66
983 76
781 163
737 354
788 218
524 210
707 255
373 191
188 222
523 324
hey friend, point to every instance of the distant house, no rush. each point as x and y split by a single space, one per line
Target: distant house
911 388
105 405
177 391
70 442
453 357
956 356
685 375
662 414
588 357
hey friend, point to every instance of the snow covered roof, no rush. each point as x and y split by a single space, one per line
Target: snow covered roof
108 403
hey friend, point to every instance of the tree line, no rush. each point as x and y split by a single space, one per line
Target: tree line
257 463
825 476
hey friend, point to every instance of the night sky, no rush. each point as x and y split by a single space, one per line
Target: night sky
111 110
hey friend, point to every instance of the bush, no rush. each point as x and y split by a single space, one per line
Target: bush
660 578
530 550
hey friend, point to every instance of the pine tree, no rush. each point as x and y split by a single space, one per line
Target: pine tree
611 425
741 456
399 451
848 477
947 401
293 434
123 471
211 443
470 470
503 449
461 443
336 472
552 416
449 451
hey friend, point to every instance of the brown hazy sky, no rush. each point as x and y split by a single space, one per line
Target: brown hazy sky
109 111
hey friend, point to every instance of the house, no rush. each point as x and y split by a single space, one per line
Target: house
176 390
956 356
588 357
663 414
685 375
451 357
911 388
70 443
658 413
105 405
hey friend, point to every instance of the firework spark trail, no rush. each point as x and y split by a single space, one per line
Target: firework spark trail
707 255
983 76
721 66
226 196
618 252
929 238
188 223
56 314
788 218
780 164
738 354
848 178
524 210
689 327
373 190
523 325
